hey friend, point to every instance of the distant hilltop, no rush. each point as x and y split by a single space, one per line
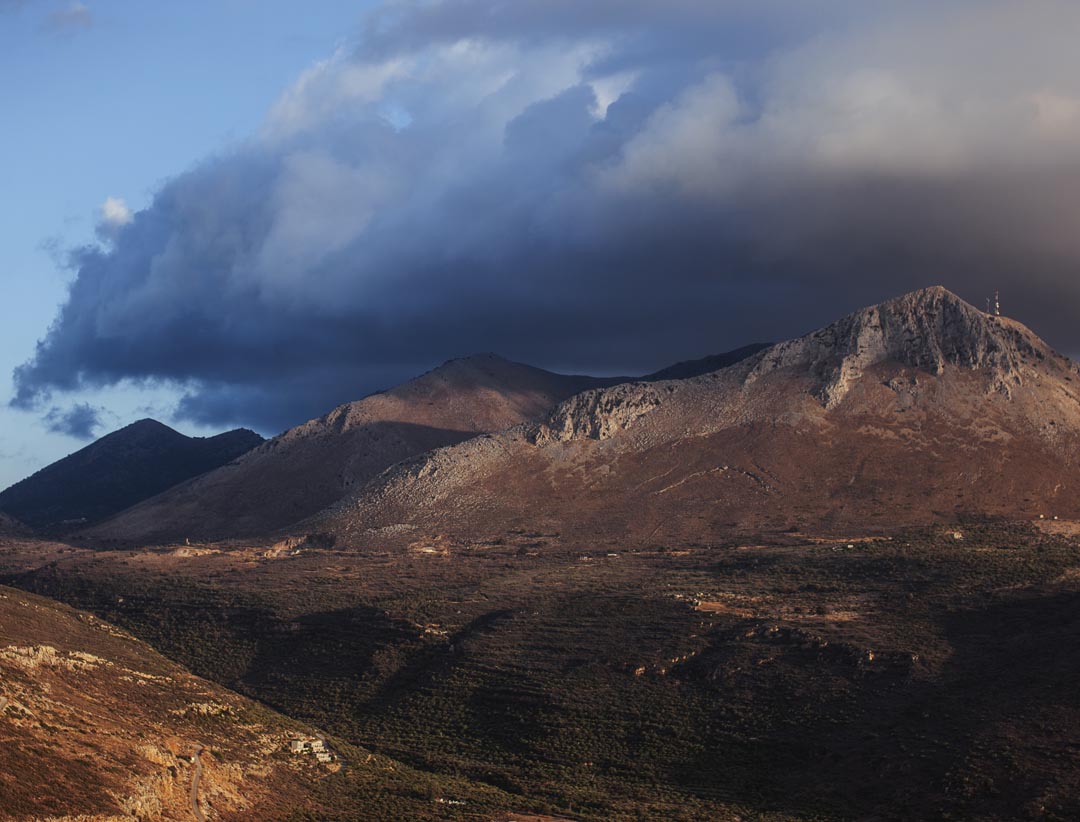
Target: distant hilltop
117 471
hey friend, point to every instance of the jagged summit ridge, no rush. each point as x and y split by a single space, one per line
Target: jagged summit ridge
913 408
927 329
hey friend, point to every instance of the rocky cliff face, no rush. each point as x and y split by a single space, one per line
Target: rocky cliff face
598 414
927 329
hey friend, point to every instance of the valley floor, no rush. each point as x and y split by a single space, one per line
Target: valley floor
909 674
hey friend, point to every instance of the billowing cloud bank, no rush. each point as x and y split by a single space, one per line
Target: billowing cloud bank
601 185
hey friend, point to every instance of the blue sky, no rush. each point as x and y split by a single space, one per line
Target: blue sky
279 208
111 109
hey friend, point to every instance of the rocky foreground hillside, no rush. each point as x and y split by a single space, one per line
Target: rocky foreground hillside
920 408
94 725
315 464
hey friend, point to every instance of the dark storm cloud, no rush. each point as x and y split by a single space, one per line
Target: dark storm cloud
80 421
742 25
602 187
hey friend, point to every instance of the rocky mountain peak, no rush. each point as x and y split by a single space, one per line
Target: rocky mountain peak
929 329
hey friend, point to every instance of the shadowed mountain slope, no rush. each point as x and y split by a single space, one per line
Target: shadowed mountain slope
117 471
705 365
922 407
9 526
314 465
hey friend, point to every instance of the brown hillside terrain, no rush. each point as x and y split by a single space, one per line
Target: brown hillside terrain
916 674
313 465
97 727
918 409
94 723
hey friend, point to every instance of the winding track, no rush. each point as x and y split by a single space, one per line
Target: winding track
195 809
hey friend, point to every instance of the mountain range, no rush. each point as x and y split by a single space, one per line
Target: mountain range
833 578
921 407
918 409
9 526
313 465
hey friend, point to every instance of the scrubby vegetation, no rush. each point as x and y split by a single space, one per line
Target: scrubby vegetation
928 673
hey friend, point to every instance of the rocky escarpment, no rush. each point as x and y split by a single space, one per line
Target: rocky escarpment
95 725
928 329
597 414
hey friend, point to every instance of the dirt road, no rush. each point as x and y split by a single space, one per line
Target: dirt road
195 809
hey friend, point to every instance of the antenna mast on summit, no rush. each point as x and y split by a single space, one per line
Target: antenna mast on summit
997 304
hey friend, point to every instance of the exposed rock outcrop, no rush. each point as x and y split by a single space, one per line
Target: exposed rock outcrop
598 414
927 329
98 726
